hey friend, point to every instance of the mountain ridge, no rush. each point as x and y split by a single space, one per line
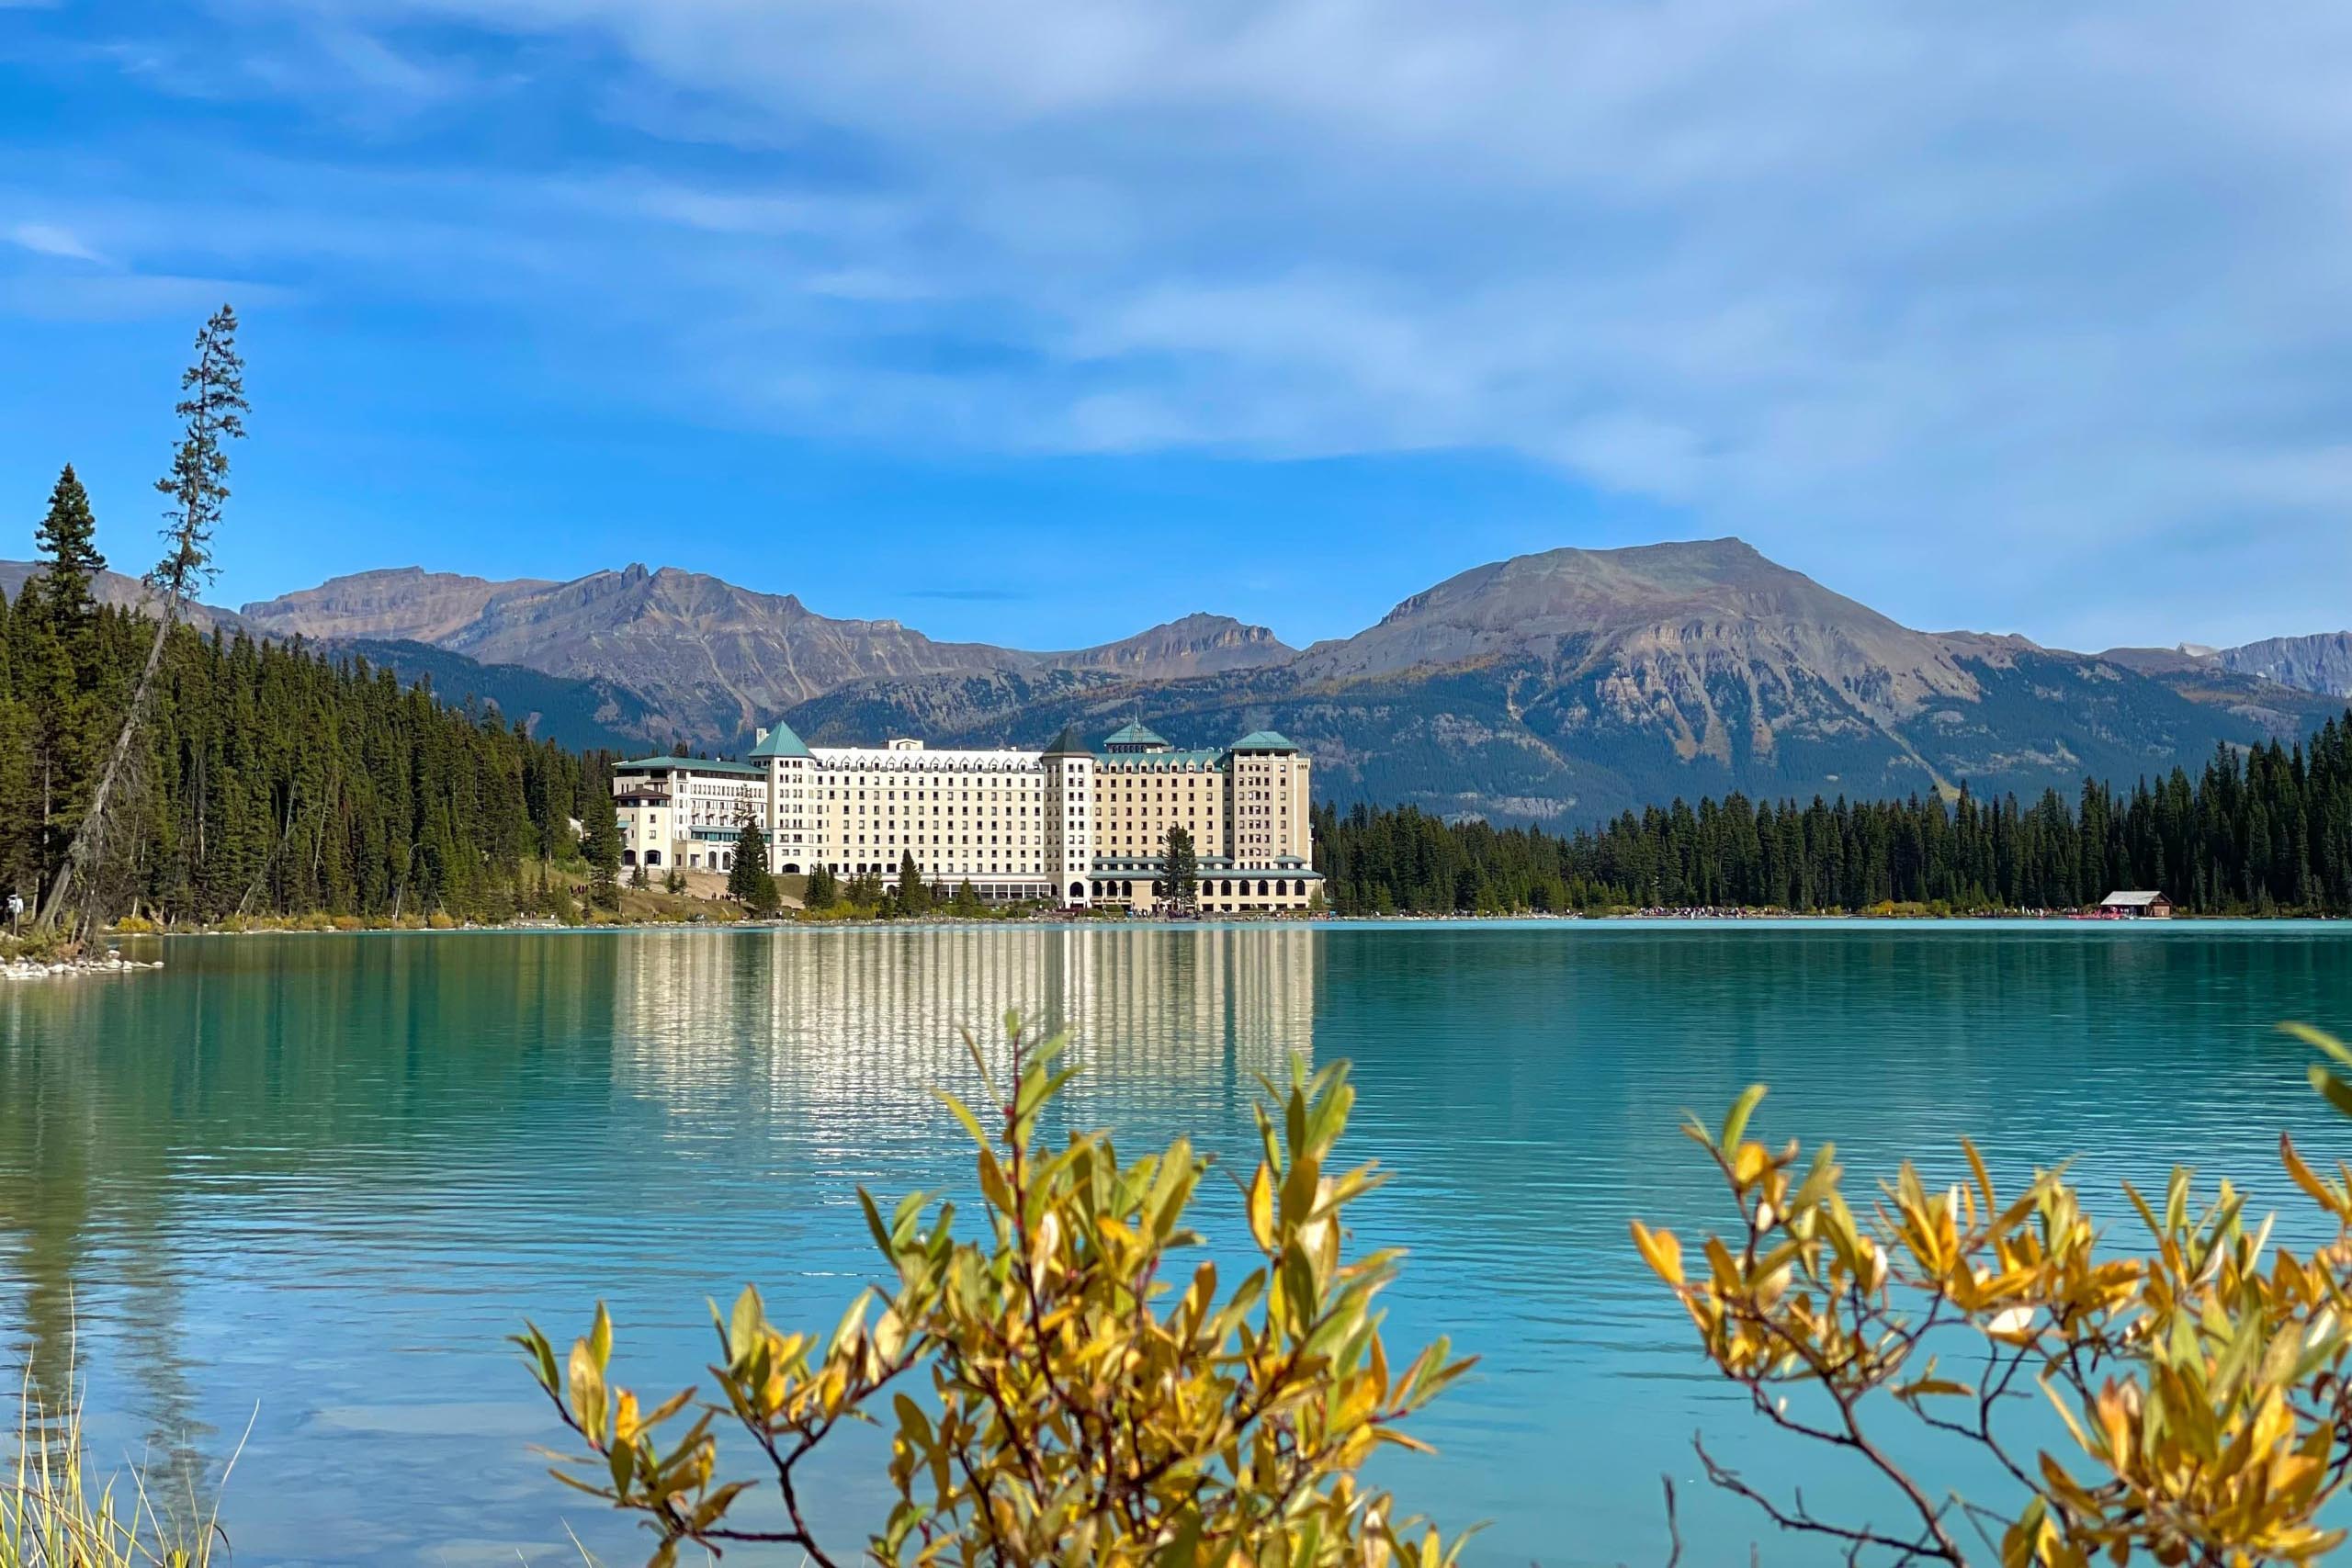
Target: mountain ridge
1562 684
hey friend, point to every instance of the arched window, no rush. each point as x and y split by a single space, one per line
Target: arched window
792 868
653 857
1078 889
1261 889
1128 889
628 857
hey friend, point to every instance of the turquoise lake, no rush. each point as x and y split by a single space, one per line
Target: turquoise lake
307 1184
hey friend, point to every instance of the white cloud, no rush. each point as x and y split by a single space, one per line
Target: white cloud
50 240
1875 284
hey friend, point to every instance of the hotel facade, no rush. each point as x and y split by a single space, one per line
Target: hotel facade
1075 825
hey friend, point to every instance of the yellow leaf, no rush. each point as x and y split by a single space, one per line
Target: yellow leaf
1660 1251
1262 1210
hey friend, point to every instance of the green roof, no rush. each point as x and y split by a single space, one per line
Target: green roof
1134 734
687 764
1068 743
1263 740
780 742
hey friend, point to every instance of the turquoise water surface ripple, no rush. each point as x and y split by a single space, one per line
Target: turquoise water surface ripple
305 1185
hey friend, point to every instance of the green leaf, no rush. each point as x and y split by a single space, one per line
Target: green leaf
743 1324
962 1114
600 1337
1735 1123
851 1321
873 1223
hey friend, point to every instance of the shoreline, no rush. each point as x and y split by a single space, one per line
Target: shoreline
112 962
115 961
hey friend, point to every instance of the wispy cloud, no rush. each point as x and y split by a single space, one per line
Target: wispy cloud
1926 291
50 240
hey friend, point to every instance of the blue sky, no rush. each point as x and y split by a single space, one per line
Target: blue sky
2011 316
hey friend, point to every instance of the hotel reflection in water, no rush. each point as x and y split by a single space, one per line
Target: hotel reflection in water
836 1025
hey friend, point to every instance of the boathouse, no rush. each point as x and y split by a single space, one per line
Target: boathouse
2136 906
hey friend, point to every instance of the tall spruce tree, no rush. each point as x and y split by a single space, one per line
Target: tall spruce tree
749 881
914 898
750 855
824 890
212 407
1179 879
70 562
600 841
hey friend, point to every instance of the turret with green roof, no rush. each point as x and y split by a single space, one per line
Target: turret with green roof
1134 736
779 742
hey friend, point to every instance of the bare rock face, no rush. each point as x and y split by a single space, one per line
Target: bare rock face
403 604
716 659
1198 644
1707 643
723 658
1711 603
2322 663
1560 686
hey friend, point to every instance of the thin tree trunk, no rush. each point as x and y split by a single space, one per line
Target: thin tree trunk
88 838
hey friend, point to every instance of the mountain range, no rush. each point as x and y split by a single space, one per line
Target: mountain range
1563 686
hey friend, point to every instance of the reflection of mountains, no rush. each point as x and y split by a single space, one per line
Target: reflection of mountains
845 1027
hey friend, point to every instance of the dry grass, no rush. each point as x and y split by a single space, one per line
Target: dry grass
52 1517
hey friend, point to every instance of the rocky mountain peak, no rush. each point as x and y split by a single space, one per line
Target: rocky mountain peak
395 603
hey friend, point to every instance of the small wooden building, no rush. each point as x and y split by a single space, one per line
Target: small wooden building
2136 906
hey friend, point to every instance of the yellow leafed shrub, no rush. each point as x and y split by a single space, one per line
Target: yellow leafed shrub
1062 1391
2201 1378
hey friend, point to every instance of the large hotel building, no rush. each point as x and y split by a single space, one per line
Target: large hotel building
1073 825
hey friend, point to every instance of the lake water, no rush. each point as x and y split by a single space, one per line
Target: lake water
306 1184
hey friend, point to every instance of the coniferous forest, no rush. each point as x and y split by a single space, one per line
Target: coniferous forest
2266 832
269 779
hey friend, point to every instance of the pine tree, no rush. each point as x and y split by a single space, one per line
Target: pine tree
1180 881
600 841
967 902
749 881
914 898
66 538
750 861
824 890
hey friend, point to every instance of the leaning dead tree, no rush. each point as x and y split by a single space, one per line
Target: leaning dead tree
212 407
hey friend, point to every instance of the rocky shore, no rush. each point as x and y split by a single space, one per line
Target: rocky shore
108 963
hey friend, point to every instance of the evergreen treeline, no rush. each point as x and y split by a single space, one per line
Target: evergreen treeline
268 779
2265 831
